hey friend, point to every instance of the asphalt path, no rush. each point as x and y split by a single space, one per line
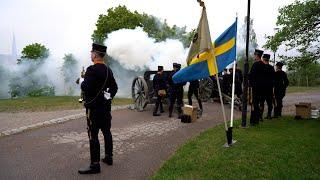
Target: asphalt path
142 143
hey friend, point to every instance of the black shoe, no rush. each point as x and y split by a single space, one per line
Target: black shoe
92 169
162 111
156 114
170 115
108 160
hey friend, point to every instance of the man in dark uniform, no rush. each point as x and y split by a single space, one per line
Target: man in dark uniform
99 87
268 85
176 92
194 90
256 78
226 82
159 86
237 82
281 82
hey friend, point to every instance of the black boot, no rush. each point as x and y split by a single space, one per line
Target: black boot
156 114
92 169
108 160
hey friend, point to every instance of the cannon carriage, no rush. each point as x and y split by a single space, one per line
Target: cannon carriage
142 89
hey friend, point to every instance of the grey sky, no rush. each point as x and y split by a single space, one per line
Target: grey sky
65 26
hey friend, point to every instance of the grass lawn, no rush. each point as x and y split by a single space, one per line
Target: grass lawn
295 89
51 103
277 149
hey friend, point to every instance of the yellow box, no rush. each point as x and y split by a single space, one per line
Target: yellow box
192 111
303 110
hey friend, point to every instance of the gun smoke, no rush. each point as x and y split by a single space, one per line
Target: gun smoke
130 53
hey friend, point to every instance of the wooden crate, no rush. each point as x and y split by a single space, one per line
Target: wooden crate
303 110
192 111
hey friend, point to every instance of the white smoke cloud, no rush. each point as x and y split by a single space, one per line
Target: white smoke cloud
135 50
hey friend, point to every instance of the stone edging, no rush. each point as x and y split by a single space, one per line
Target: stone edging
51 122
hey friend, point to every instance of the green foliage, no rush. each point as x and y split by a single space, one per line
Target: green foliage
35 51
30 85
44 91
299 25
70 73
121 18
299 29
283 148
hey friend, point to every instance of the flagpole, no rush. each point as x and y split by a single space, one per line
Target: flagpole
233 89
246 70
222 105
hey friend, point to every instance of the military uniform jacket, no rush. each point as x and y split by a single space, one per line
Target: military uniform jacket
175 87
94 79
281 82
256 75
269 76
159 82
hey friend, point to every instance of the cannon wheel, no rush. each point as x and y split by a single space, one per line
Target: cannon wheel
139 93
205 89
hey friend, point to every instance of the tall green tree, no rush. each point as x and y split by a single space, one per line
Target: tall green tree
242 37
35 51
299 30
70 73
122 18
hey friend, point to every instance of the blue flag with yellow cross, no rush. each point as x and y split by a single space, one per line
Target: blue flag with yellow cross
206 59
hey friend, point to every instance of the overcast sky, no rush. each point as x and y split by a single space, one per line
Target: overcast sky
65 26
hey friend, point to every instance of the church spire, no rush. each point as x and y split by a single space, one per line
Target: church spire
14 48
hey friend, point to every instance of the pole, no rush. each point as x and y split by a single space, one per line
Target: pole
246 70
233 89
221 102
274 58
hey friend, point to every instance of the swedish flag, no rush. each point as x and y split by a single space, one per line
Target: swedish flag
205 59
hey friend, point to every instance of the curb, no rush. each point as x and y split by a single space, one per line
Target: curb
52 121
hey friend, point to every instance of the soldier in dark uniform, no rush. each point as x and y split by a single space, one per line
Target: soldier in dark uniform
159 86
194 90
175 92
226 82
268 85
99 87
281 82
237 81
256 78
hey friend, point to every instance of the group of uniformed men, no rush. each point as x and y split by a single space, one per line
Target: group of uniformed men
267 85
99 87
163 84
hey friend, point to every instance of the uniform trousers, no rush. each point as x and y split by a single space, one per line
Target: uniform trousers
99 118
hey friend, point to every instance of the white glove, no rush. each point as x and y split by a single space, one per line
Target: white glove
107 95
81 80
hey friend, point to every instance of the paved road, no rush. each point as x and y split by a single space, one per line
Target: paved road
141 144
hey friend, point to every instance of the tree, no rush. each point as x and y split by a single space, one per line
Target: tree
252 43
70 73
299 30
121 18
35 51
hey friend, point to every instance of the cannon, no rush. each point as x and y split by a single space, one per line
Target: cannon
142 89
143 94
